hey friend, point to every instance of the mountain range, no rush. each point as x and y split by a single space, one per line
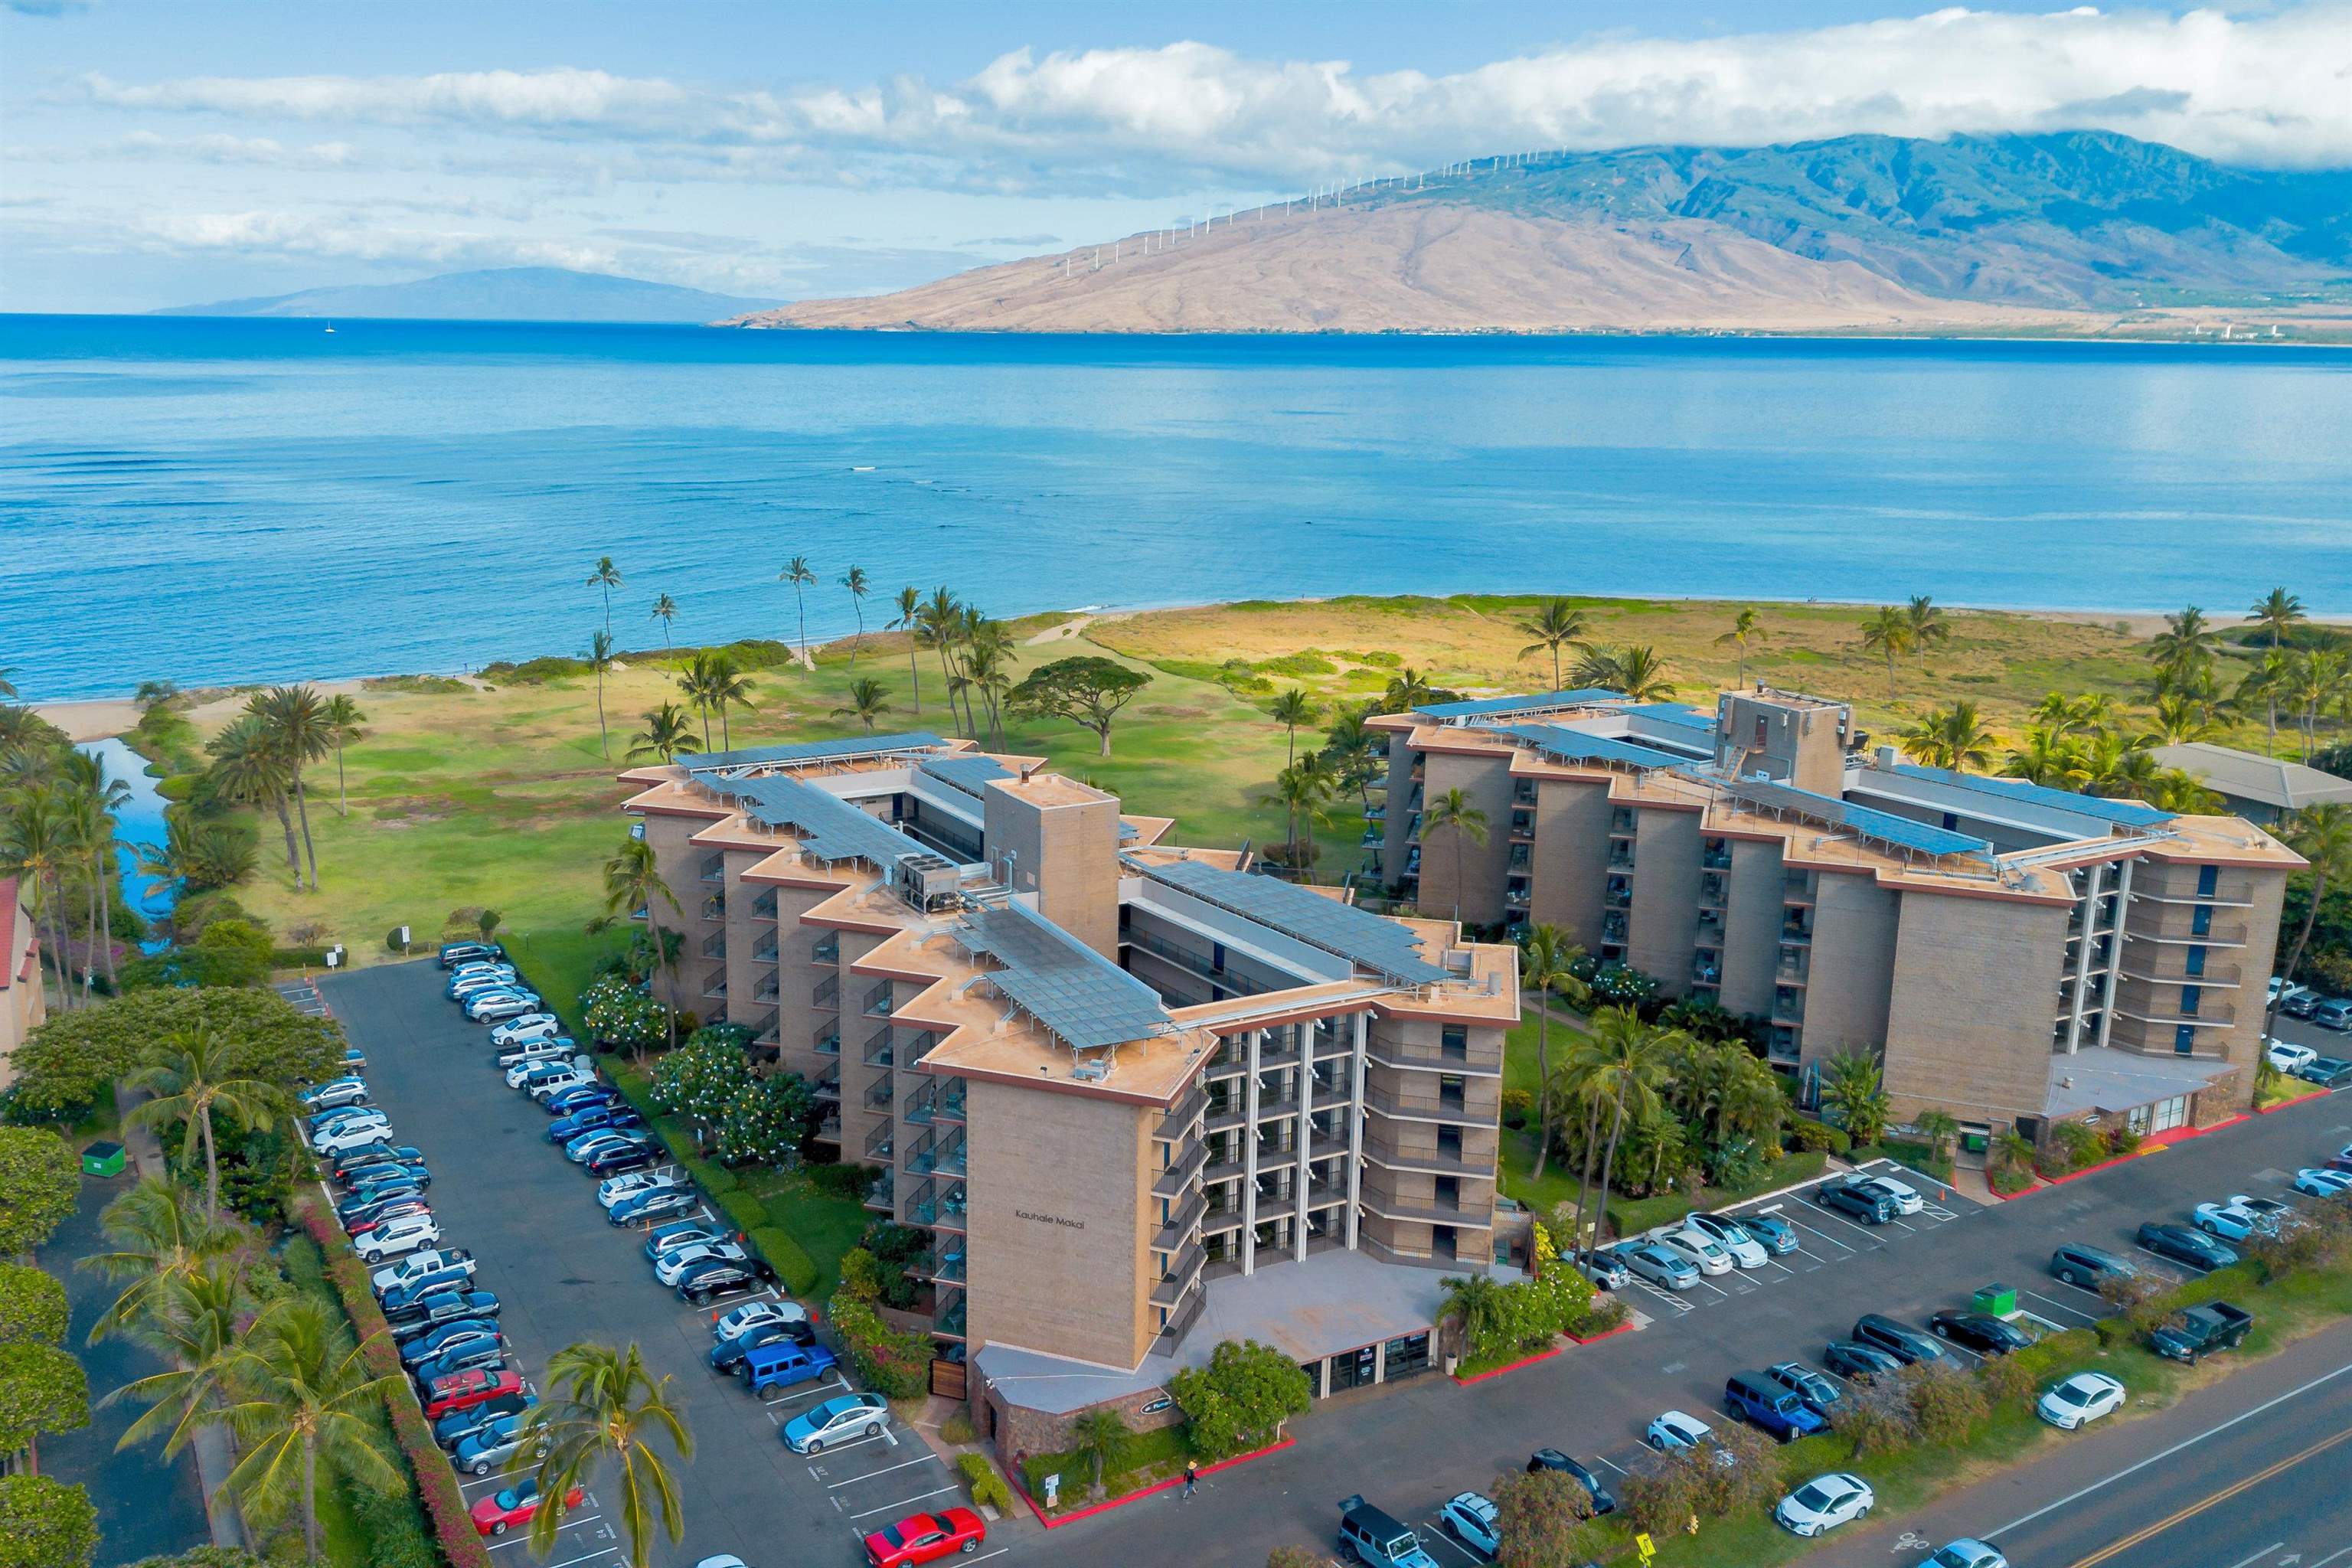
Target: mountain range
500 294
2071 231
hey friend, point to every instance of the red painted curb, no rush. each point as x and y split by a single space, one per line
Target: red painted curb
1059 1520
1624 1327
1508 1367
2148 1145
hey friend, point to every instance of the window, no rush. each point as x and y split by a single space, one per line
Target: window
2200 921
1404 1357
2209 878
2184 1039
1217 958
2169 1113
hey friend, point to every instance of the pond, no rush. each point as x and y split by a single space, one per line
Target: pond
137 824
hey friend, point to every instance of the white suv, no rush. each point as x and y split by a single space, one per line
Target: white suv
395 1237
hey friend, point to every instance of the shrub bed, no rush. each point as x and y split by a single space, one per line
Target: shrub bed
988 1487
893 1365
788 1258
1144 1459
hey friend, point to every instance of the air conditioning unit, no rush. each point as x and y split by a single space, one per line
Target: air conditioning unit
926 879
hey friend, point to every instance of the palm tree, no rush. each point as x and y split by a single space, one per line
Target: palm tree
665 611
1556 625
2179 718
308 1399
1926 624
7 688
1350 744
607 1407
1635 672
600 660
1888 632
1099 1435
1852 1092
938 619
91 802
1301 790
800 574
1291 710
713 684
854 581
1408 687
1950 738
160 1241
1747 629
606 576
1473 1301
2322 834
633 881
192 1321
1939 1127
37 848
2185 649
868 700
295 717
2266 680
248 768
193 1077
666 733
2276 612
344 721
1453 813
1631 1057
1545 955
909 620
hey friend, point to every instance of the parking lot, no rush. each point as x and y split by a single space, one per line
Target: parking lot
562 1274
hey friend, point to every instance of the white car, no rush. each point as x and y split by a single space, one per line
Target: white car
529 1026
1825 1503
629 1184
395 1237
1698 1251
540 1088
675 1263
2080 1400
735 1321
1471 1519
507 1004
1677 1429
2239 1219
335 1094
352 1135
595 1143
2320 1181
1907 1196
417 1266
522 1075
2288 1058
1745 1250
526 1051
1966 1554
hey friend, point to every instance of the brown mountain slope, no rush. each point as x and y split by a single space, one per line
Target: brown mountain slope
1419 268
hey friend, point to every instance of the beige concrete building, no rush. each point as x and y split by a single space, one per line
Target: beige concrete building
23 1008
2017 955
1125 1088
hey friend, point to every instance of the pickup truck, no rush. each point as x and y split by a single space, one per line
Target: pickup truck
417 1265
2200 1330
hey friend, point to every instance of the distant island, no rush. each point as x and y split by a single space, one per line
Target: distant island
2067 234
499 294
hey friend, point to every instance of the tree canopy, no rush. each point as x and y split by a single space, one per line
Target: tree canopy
1240 1400
39 1182
32 1306
1088 691
45 1523
75 1058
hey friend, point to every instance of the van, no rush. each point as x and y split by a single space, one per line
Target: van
2088 1267
1898 1339
783 1364
1780 1412
1368 1535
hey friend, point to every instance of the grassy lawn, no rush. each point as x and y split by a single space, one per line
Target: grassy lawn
826 1226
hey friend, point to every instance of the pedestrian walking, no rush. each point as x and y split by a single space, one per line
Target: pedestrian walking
1192 1478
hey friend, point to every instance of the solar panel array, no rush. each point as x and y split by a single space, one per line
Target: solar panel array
813 751
1575 746
1087 1001
1673 713
2126 813
831 828
967 773
1357 935
1533 702
1862 820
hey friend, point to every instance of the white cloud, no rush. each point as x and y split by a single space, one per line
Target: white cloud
219 148
2264 88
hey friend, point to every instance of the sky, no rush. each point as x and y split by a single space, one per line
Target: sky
156 153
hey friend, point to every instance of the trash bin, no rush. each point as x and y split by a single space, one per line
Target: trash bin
2001 1300
102 1160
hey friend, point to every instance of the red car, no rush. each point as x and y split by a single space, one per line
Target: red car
464 1390
926 1538
502 1512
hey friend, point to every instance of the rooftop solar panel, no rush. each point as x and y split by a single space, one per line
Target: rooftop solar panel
1862 820
813 751
1534 702
1575 746
1674 713
966 772
1357 935
2127 812
1087 1001
830 827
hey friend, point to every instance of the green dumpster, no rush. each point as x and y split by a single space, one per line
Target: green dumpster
102 1160
2001 1300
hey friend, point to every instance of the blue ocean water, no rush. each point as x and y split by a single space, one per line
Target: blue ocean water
216 499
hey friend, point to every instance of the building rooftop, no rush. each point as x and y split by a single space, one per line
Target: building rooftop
969 771
1577 746
1526 702
2102 1079
2268 781
830 827
1084 998
2124 812
1386 947
793 752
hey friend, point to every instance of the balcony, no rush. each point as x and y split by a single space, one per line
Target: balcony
1389 1156
1179 1276
880 1144
713 869
1428 1210
1713 888
1373 838
826 998
1191 1159
828 1083
764 905
1620 858
1184 958
715 945
877 1052
1792 968
1187 1311
1375 813
877 1002
1177 1122
1223 1169
767 990
1447 1108
951 1103
714 908
826 948
1517 895
1422 1058
764 950
1328 1041
940 1208
949 1323
1523 792
883 1092
1716 856
883 1194
940 1267
1707 973
828 1041
1181 1224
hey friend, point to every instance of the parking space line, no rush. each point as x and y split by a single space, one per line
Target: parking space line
884 1472
903 1502
585 1557
1718 1289
567 1524
1437 1532
845 1448
813 1389
1825 1235
1857 1229
1604 1460
2061 1306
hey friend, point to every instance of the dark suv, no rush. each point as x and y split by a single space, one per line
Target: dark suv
1857 1200
1603 1500
2088 1267
1898 1339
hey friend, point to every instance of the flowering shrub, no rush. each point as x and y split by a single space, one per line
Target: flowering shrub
895 1366
619 1015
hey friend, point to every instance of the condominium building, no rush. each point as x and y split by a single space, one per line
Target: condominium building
2019 955
23 1006
1139 1097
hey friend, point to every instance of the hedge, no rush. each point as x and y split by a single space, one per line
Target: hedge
895 1366
788 1258
745 1209
988 1487
435 1481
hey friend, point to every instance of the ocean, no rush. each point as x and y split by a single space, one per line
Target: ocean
208 500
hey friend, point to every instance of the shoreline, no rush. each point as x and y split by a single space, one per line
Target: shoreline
99 717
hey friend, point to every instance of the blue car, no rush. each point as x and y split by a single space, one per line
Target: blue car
382 1173
446 1338
491 1446
646 1205
1774 1232
594 1119
783 1364
565 1101
459 1425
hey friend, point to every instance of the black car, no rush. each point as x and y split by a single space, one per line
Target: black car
1896 1338
403 1298
339 1165
2327 1072
459 1425
430 1313
719 1276
482 1353
1856 1200
1604 1502
621 1157
2088 1267
2186 1244
1980 1332
1859 1362
366 1203
382 1173
728 1355
456 953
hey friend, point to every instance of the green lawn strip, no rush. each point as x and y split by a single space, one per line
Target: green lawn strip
1144 1459
826 1226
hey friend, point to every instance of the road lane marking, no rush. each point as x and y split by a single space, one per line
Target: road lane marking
2258 1556
2189 1442
2224 1495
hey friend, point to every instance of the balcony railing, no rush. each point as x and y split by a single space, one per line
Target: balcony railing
1422 1058
950 1102
825 948
714 869
1474 1215
877 1003
950 1320
1179 1277
828 1083
881 1094
715 945
717 990
877 1051
767 990
944 1267
1188 1310
1389 1156
828 1041
880 1144
1190 1160
714 908
883 1194
1445 1109
764 950
764 905
828 994
1181 1224
1181 1116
